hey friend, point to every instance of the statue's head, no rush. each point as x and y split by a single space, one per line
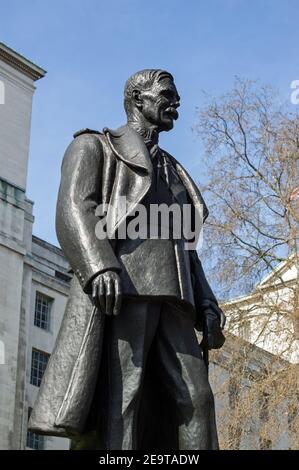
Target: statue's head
151 98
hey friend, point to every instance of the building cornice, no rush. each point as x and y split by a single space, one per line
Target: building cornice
47 245
20 63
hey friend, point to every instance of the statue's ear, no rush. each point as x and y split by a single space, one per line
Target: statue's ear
136 95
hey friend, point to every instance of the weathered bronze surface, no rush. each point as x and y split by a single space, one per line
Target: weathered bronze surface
127 371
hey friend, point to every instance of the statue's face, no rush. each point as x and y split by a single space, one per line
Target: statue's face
160 103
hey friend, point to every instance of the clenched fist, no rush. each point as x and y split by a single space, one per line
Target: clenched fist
214 322
106 292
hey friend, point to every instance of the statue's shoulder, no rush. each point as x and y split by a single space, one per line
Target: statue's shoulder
86 131
85 142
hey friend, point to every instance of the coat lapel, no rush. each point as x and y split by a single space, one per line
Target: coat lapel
136 174
191 187
129 147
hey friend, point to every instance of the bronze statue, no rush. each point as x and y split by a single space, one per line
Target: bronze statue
127 371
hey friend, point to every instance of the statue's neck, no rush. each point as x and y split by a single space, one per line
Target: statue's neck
149 134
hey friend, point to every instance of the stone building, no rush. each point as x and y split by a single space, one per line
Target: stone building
269 315
261 356
34 282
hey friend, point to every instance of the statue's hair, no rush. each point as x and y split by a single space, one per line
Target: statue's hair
142 80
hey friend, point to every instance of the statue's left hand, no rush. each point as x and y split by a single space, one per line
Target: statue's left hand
214 322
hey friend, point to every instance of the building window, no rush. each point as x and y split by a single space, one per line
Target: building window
233 393
38 365
264 406
296 323
265 444
245 329
63 277
42 313
293 412
34 441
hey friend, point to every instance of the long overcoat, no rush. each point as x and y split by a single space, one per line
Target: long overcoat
97 168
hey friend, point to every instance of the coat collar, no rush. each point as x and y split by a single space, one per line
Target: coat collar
192 189
129 146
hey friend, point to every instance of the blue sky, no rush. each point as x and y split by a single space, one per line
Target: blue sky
90 48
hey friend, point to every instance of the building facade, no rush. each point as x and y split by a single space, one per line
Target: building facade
266 320
269 316
34 282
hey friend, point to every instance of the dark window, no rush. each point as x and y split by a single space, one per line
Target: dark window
42 313
293 411
34 441
264 406
296 323
265 444
38 365
233 393
62 276
245 329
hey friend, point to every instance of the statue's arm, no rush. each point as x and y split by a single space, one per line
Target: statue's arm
78 198
209 314
202 290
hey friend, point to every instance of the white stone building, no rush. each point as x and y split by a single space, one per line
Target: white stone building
264 326
269 316
34 282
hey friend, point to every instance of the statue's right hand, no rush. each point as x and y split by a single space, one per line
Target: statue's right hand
106 292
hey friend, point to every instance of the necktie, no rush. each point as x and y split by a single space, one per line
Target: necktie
160 163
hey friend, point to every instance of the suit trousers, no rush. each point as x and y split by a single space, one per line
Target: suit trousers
144 329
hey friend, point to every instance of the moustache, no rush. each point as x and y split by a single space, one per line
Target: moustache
171 110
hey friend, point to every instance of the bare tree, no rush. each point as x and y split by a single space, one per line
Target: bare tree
252 166
252 150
